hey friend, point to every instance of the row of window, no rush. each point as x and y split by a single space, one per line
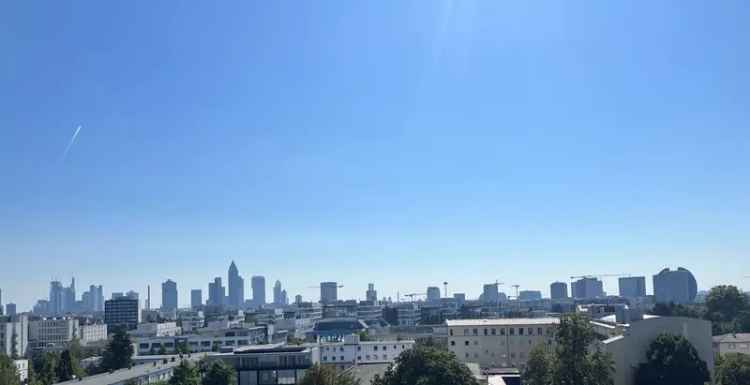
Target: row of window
476 342
359 358
169 345
359 348
502 331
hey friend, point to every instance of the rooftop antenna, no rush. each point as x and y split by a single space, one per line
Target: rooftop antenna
445 285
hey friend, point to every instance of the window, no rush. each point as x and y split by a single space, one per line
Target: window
368 357
325 358
453 343
467 355
485 331
475 331
205 343
466 332
450 331
359 348
375 348
502 331
531 331
341 358
512 331
520 331
466 343
493 331
328 348
341 349
385 356
513 355
333 358
539 331
359 358
385 348
395 347
476 343
143 346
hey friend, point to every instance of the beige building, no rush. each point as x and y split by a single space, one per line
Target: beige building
732 343
52 333
629 349
498 343
92 333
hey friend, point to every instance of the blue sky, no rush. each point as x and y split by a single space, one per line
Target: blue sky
395 142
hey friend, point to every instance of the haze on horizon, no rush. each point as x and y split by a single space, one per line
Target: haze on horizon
401 143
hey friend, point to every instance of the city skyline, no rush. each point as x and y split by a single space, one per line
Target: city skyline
360 143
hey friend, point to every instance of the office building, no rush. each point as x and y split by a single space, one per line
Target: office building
529 295
498 343
558 290
93 299
203 340
328 292
1 302
460 299
169 295
52 333
433 294
297 299
279 295
56 298
92 333
10 309
490 294
371 294
352 351
632 287
236 287
258 283
69 297
196 298
587 288
122 312
269 364
14 336
216 293
675 286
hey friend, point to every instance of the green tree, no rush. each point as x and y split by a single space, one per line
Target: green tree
538 370
44 367
426 366
219 373
325 375
8 373
68 367
574 363
185 374
672 360
162 350
724 303
602 367
733 369
119 351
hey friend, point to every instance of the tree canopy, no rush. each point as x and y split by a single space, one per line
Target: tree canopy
425 365
672 360
538 370
728 310
219 373
68 367
734 369
119 351
8 373
325 375
185 374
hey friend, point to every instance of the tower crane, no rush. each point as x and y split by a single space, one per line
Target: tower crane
412 295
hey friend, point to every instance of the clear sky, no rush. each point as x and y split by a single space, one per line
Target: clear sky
403 143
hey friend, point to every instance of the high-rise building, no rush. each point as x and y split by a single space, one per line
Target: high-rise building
328 292
297 299
490 293
56 298
122 312
632 287
460 299
1 302
196 298
169 295
558 290
69 297
14 336
236 287
216 293
677 286
433 294
529 295
587 288
278 298
371 294
10 309
258 283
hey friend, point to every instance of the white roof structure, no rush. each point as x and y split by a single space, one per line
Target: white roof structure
502 321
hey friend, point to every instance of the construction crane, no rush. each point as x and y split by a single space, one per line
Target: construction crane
599 276
412 295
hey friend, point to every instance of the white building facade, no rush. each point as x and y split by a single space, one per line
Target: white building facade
52 333
498 343
352 351
92 333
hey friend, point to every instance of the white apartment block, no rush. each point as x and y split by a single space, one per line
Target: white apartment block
22 368
14 336
352 351
92 333
153 329
732 343
498 343
205 341
52 333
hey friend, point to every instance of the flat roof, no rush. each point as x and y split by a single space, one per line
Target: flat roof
503 321
738 337
123 375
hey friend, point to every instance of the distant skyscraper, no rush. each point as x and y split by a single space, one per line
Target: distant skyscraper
587 288
259 290
1 302
329 292
460 299
278 298
216 293
433 294
677 286
236 287
10 309
122 312
371 294
297 299
196 298
529 295
169 295
56 298
69 297
632 287
490 294
558 290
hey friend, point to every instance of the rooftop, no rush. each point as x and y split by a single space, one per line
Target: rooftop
123 375
733 338
503 321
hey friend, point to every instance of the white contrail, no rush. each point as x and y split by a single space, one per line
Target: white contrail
72 141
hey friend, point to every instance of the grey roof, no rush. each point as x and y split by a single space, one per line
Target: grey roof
123 375
502 321
733 338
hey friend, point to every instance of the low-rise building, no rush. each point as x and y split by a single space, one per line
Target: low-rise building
352 351
274 364
153 329
335 329
92 333
498 343
22 369
732 343
629 349
203 341
139 374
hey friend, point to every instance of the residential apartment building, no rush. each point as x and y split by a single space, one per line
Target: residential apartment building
14 335
352 351
498 343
